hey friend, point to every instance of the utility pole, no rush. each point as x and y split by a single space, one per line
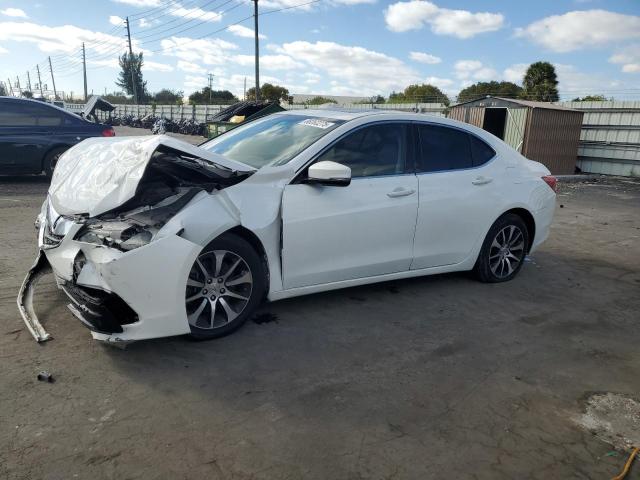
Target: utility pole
133 78
84 71
255 21
28 81
55 92
210 86
244 94
19 87
10 87
39 81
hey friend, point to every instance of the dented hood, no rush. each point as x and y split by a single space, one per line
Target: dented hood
100 174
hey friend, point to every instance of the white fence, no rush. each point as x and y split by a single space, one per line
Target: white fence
200 113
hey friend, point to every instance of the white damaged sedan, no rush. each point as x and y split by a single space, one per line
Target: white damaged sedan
152 237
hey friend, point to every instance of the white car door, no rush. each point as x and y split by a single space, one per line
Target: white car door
459 181
333 233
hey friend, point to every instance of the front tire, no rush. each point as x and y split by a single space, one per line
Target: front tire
51 160
503 250
226 284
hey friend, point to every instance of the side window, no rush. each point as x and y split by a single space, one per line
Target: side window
18 114
480 151
371 151
14 114
443 148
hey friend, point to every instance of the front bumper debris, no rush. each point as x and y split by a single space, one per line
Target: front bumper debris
25 298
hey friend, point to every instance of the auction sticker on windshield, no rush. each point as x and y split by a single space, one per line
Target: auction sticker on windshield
318 123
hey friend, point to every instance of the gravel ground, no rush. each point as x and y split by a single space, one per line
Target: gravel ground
438 377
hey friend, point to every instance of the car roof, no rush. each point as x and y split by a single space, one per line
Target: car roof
37 102
346 115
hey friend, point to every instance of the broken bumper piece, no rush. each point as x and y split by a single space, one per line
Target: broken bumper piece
119 296
25 298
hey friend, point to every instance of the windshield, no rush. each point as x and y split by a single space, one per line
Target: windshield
272 141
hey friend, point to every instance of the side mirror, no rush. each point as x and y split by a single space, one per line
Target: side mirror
329 173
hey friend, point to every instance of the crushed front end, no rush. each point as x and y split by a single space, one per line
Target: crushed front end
123 268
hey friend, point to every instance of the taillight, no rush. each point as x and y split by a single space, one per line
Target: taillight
108 132
551 181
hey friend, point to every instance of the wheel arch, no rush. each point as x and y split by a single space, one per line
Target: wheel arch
255 242
53 148
528 220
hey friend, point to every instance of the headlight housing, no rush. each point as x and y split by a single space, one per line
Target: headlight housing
121 235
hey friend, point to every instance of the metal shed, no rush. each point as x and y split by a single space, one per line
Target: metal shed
543 132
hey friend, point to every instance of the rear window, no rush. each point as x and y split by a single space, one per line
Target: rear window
274 140
443 148
481 153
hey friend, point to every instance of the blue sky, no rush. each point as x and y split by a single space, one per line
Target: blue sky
340 47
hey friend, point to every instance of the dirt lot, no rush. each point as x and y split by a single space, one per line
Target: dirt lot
438 377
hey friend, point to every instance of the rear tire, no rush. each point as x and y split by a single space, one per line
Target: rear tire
50 161
503 250
225 286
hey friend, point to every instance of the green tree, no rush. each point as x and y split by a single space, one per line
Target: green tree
27 94
592 98
125 80
168 97
213 97
117 98
3 91
493 88
369 101
320 100
540 83
269 92
423 93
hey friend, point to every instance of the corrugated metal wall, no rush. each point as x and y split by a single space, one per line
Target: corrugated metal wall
610 137
552 138
515 127
472 115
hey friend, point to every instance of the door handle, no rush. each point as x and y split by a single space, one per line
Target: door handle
480 180
400 192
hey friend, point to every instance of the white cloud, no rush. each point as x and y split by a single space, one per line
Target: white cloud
175 9
575 83
268 62
629 57
580 29
14 12
469 70
514 73
109 63
414 14
355 69
115 20
65 39
269 4
196 13
422 57
190 67
442 83
140 3
242 31
3 50
156 67
209 51
353 2
312 78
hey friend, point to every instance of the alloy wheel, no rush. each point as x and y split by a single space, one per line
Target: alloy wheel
506 251
218 289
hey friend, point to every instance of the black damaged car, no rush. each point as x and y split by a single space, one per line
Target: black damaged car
33 135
